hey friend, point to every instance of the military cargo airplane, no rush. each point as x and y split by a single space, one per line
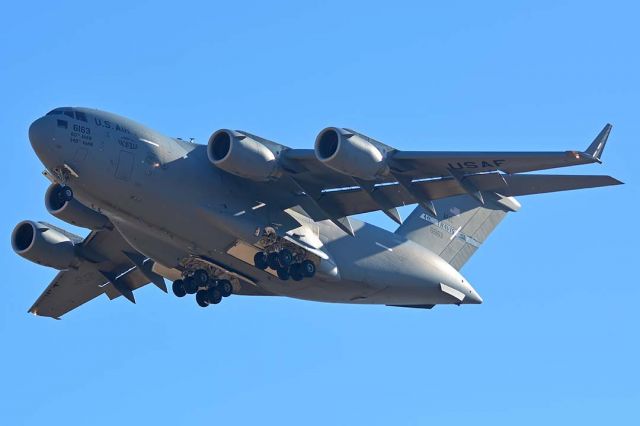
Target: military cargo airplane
244 215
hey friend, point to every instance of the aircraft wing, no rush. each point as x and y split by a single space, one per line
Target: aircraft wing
112 267
424 176
353 201
416 163
305 167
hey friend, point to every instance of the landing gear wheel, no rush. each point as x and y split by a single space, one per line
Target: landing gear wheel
260 260
296 272
225 287
201 277
283 273
178 288
308 268
273 261
285 257
214 296
190 285
201 298
66 193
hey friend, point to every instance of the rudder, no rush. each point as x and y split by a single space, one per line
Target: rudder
461 226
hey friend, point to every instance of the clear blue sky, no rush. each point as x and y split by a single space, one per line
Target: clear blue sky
556 340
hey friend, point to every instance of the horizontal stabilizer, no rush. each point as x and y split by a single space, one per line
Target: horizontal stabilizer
539 184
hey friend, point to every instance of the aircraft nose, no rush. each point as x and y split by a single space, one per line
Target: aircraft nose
472 296
39 133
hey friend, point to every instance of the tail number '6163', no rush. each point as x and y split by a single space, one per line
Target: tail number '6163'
82 129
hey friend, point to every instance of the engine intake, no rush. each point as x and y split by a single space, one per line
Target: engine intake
351 153
37 242
73 212
244 155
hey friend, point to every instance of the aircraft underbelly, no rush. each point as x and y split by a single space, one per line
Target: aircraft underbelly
364 284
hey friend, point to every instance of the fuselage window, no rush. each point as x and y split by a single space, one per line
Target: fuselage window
81 116
63 123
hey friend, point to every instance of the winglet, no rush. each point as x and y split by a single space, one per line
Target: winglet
597 146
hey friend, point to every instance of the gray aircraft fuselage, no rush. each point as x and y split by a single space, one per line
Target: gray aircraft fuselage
169 202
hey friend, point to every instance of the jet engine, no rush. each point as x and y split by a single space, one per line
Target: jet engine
244 155
351 153
73 211
39 243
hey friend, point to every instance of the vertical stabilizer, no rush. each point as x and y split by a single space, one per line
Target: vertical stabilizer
460 227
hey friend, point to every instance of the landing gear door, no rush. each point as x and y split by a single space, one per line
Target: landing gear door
125 165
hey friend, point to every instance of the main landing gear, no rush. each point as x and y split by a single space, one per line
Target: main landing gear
208 291
285 264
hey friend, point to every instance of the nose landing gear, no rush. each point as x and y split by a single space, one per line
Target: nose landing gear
65 194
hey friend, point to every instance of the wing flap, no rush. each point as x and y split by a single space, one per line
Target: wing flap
114 269
355 200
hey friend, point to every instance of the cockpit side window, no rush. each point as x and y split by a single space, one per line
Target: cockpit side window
55 111
81 116
68 113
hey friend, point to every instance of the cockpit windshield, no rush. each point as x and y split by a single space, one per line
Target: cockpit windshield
69 113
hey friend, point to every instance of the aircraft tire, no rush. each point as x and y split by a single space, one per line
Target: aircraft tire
226 289
201 298
190 285
66 193
296 272
285 258
201 277
308 268
283 273
273 261
214 296
178 288
260 260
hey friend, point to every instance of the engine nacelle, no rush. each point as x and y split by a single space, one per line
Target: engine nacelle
351 153
242 155
73 211
36 242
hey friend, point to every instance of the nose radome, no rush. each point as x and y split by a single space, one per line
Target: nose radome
39 133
